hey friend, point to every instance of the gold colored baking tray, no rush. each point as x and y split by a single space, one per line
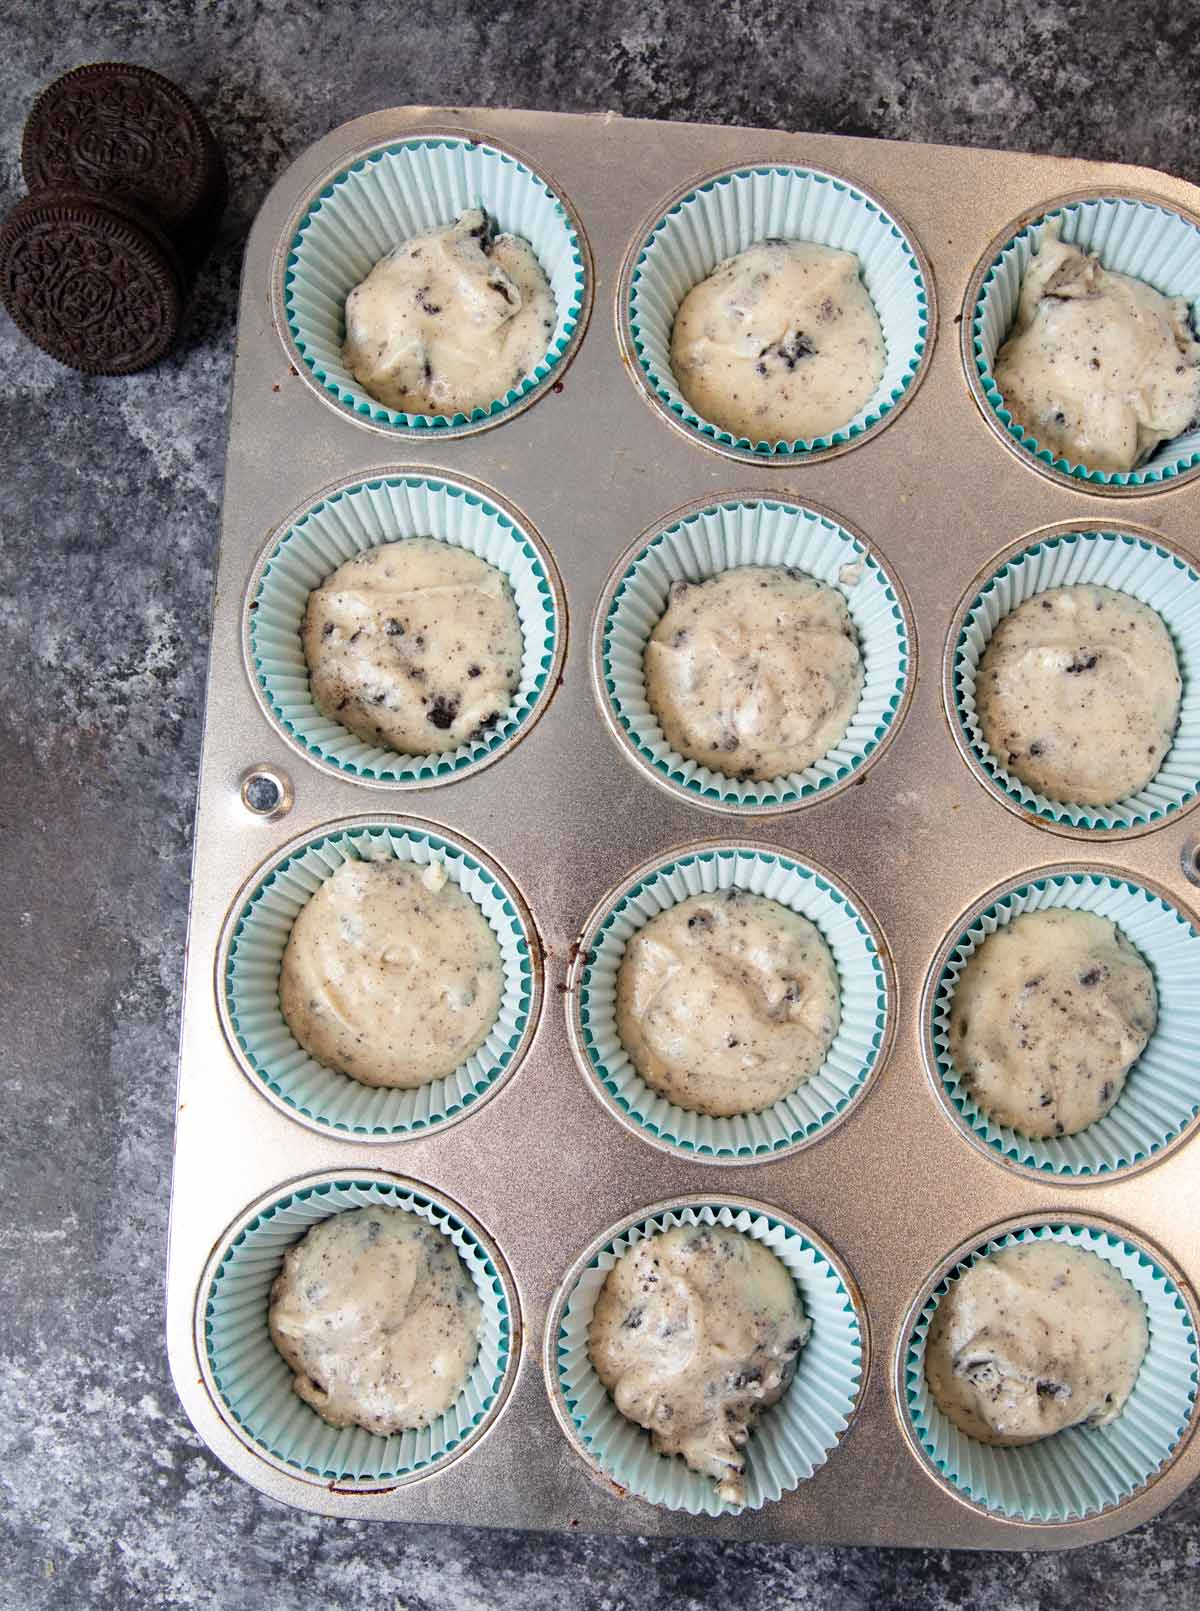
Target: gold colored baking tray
896 1187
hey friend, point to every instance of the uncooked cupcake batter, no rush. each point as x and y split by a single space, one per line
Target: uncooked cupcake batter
1034 1339
391 974
695 1333
755 672
377 1316
727 1002
1048 1017
779 343
1078 694
1101 368
450 320
415 645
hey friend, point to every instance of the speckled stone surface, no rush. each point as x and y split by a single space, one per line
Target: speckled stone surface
108 524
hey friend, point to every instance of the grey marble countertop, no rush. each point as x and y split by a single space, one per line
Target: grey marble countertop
108 525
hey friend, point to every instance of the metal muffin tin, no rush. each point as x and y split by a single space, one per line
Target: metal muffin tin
894 1188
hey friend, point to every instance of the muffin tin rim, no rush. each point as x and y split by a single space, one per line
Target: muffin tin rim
283 248
649 394
448 477
1052 1180
375 1176
962 742
1106 1225
966 339
355 824
579 960
674 517
566 1286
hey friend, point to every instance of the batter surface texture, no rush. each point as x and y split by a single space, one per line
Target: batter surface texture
695 1334
1078 694
780 343
415 645
1034 1339
1048 1017
376 1315
727 1002
755 672
391 974
451 320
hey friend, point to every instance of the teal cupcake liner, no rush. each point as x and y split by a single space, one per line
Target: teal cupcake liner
792 1440
251 953
1063 557
1149 240
1161 1098
1084 1470
384 197
731 211
251 1383
858 1049
349 519
702 540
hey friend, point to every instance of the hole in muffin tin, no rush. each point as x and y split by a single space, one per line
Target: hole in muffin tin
842 1313
708 538
1189 859
855 1056
356 515
266 793
322 1098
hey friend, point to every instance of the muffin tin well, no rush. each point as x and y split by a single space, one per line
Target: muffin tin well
251 1382
1129 559
793 1441
251 952
724 213
699 542
865 988
360 515
377 198
1132 233
1082 1471
895 848
1161 1099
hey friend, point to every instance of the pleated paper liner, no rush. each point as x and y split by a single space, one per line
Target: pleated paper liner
701 541
1161 1098
731 211
1149 240
1128 562
796 1120
251 953
351 519
384 198
1084 1470
252 1383
792 1440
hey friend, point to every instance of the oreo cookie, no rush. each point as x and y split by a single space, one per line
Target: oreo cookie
92 281
125 132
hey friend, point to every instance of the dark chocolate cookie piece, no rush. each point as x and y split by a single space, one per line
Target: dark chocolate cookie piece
94 283
123 131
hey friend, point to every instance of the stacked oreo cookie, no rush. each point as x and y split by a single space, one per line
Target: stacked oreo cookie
127 185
